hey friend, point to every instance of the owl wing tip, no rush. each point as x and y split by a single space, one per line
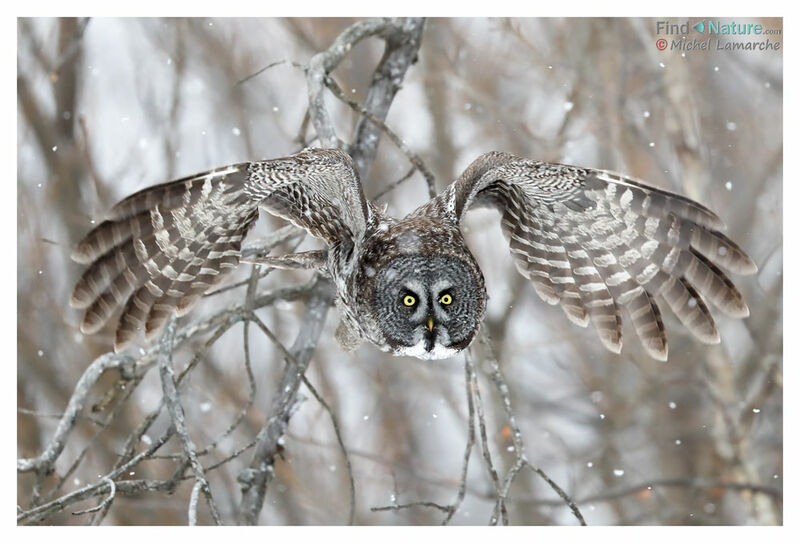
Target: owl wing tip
659 354
78 302
657 348
613 346
80 256
748 267
91 324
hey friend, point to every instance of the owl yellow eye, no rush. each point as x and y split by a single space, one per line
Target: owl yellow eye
446 299
409 300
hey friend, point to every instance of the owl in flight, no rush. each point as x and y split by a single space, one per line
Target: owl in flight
596 243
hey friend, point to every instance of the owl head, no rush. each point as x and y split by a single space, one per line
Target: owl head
429 298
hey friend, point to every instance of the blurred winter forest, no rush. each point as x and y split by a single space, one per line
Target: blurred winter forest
538 425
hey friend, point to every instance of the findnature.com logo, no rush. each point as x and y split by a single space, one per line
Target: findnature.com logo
716 35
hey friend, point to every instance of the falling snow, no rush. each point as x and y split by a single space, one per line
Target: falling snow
558 104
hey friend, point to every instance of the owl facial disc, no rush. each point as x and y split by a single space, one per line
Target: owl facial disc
429 306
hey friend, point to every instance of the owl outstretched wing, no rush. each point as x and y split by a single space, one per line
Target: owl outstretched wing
597 242
160 249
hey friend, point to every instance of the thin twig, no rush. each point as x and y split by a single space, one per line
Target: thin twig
259 72
175 409
500 506
338 433
44 510
462 486
397 506
412 157
617 493
112 491
516 435
391 186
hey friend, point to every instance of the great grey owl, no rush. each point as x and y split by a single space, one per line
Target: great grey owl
592 241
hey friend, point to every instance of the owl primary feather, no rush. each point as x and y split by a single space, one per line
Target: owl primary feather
597 243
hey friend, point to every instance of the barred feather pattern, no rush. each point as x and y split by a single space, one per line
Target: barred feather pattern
162 248
318 190
598 243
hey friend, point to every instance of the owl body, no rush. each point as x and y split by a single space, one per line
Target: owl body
599 245
415 289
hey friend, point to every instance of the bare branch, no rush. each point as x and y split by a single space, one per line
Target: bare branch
413 157
254 480
402 45
337 431
112 491
170 389
44 462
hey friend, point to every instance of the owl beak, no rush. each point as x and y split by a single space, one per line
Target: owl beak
430 324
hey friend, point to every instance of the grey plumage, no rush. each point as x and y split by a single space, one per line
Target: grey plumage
596 243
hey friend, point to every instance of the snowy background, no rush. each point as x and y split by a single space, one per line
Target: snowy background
122 104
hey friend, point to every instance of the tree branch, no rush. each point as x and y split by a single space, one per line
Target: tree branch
255 479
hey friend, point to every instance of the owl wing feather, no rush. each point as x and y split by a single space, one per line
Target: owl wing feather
160 249
598 243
